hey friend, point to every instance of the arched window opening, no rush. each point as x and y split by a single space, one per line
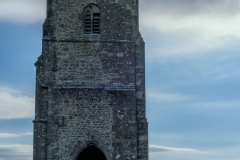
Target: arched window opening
91 153
92 19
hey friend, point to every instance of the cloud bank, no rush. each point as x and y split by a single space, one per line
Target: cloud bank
190 7
9 135
16 151
189 27
24 11
14 104
159 149
166 97
222 153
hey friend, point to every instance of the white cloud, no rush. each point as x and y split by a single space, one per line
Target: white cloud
14 104
22 11
176 34
190 7
211 26
9 135
169 153
229 75
166 97
16 151
192 101
221 104
159 149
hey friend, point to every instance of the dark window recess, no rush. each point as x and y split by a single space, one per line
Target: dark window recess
96 22
92 19
88 21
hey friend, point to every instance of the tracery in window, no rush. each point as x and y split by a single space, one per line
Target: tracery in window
92 19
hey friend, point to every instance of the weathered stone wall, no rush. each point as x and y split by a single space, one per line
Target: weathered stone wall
82 63
90 88
119 19
77 116
141 101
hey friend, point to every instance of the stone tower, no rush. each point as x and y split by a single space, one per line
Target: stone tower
90 83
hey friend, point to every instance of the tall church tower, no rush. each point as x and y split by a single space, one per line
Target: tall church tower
90 83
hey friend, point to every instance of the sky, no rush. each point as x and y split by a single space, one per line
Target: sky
192 77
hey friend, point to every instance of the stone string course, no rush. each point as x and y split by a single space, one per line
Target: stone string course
90 88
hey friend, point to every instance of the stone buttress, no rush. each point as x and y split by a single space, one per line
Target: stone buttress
90 83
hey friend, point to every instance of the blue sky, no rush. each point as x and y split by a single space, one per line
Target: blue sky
192 77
